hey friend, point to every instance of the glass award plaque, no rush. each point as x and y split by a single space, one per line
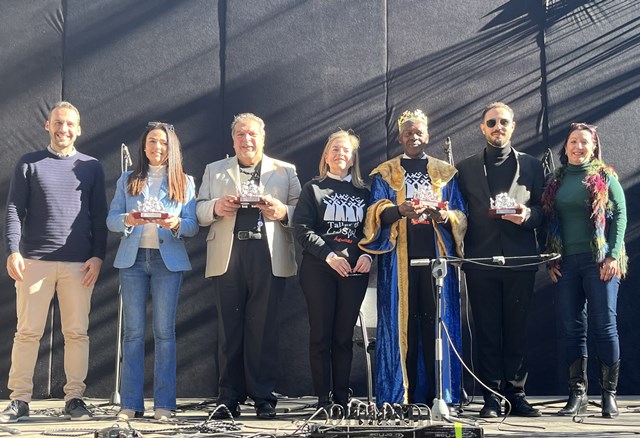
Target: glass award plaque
426 197
503 204
150 208
249 194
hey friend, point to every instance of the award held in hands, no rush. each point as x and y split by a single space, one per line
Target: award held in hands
151 208
503 204
249 194
426 197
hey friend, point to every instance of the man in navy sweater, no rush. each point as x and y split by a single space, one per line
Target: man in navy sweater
56 240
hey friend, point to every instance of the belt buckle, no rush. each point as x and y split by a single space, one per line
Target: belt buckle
249 235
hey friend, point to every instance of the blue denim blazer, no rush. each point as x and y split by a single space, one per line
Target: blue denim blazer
172 247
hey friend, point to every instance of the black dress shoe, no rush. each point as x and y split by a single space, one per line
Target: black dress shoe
265 410
226 411
491 408
520 407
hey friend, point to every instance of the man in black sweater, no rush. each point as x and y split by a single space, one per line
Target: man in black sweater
56 236
500 297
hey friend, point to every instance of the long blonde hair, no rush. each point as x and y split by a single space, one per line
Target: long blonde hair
323 167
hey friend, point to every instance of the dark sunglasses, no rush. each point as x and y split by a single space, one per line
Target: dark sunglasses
492 122
160 125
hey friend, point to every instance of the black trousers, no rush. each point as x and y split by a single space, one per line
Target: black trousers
247 301
500 301
421 329
334 304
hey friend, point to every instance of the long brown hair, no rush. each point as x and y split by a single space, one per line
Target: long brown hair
176 178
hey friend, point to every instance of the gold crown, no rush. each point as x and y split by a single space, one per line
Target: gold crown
415 116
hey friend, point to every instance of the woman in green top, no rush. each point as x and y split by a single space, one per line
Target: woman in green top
587 217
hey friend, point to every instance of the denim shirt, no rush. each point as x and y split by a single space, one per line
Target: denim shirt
172 249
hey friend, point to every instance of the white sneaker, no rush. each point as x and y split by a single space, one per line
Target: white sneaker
126 414
163 414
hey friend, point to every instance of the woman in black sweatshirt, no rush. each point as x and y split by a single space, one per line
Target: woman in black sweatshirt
334 272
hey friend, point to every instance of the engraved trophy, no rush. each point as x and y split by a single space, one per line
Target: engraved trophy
503 204
150 208
249 194
426 197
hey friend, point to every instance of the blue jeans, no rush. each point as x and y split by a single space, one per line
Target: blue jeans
582 299
149 274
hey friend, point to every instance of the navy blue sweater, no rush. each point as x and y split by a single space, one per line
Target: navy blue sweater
57 208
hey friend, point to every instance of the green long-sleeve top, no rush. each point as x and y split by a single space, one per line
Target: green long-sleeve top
572 205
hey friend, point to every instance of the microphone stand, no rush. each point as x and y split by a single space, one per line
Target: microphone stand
125 162
52 314
448 153
440 410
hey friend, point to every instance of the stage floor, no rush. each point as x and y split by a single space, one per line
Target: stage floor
295 419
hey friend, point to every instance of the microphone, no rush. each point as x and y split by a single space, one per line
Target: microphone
548 164
447 145
124 151
447 151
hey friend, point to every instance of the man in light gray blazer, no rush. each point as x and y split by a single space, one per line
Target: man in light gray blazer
248 202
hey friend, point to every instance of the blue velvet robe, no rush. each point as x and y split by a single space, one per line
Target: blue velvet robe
390 243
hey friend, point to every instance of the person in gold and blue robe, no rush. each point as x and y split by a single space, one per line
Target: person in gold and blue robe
399 228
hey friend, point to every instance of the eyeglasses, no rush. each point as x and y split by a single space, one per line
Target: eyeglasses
160 125
493 122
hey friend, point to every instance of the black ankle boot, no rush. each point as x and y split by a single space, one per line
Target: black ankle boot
609 385
578 399
323 402
342 398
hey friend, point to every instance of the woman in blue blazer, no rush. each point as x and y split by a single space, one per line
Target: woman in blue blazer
151 258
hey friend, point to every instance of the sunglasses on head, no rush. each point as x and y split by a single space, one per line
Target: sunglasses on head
493 122
582 125
160 125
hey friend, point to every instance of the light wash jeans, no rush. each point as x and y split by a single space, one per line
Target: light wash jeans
149 275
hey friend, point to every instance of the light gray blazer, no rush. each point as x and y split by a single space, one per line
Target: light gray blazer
278 179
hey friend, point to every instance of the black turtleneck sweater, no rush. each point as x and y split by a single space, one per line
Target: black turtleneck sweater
501 168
